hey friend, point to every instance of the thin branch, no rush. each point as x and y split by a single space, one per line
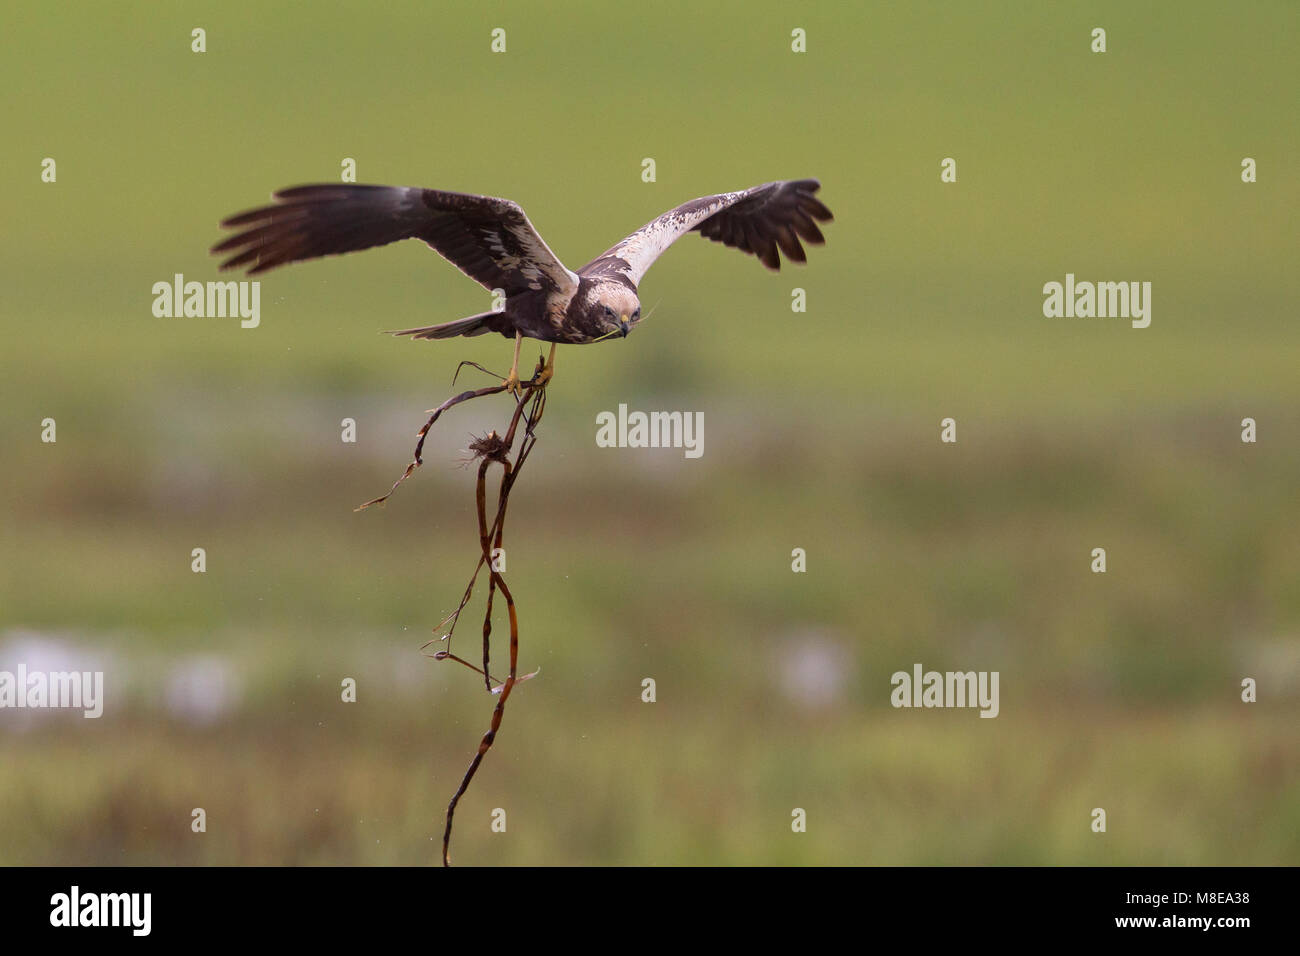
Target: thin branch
491 449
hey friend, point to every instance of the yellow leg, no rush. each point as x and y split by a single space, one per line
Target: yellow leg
512 380
548 369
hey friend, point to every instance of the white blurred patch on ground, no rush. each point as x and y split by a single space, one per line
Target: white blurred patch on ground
201 689
49 653
812 670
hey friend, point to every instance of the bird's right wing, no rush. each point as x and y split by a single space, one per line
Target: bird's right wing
758 220
490 240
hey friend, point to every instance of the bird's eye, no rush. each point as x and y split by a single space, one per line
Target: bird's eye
637 313
609 312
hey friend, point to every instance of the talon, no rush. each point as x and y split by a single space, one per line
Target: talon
511 381
548 368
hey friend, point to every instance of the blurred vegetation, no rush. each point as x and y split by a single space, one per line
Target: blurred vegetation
1118 691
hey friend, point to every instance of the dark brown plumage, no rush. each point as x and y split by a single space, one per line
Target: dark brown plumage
492 241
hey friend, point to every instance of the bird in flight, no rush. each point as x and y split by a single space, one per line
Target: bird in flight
492 242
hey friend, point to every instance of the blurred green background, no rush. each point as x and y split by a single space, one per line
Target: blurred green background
1118 691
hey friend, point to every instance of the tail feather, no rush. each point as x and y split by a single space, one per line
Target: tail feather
470 325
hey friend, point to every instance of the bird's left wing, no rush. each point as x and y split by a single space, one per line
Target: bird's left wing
490 240
758 221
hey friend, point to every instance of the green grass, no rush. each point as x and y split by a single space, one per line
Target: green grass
1118 690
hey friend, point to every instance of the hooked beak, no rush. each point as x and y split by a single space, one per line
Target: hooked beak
623 326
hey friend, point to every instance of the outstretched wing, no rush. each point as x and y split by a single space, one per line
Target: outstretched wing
490 240
758 221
